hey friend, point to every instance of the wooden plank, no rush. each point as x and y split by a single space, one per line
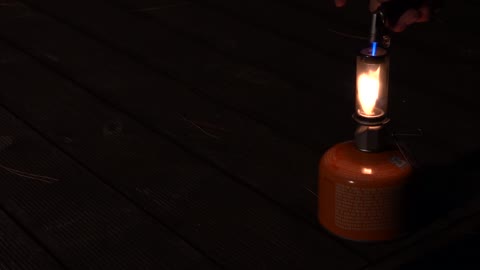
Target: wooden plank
455 247
220 78
84 223
224 219
249 150
19 251
146 106
288 59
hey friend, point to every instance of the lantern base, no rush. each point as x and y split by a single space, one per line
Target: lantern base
362 196
381 119
370 138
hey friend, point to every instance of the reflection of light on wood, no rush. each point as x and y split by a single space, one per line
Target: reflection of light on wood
46 179
366 171
368 87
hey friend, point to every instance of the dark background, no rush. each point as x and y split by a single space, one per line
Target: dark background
186 134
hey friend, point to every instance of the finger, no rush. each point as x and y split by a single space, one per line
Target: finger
340 3
374 4
424 13
409 17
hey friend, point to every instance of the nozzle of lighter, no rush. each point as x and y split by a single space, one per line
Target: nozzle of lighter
378 32
373 28
373 33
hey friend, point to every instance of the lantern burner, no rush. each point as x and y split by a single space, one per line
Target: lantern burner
371 98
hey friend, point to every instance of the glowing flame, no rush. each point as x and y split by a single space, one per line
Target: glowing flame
368 87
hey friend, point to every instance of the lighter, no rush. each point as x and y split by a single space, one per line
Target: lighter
389 13
379 34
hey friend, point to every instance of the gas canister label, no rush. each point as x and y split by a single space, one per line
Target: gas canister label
365 209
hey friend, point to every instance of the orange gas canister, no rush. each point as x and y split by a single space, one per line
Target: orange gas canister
362 196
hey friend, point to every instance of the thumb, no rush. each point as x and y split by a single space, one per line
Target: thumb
424 13
409 17
340 3
374 4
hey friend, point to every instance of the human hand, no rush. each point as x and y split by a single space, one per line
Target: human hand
413 14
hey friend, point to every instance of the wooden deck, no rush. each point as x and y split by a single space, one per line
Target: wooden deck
185 134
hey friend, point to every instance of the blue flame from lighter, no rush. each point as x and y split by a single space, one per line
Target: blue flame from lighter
374 48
